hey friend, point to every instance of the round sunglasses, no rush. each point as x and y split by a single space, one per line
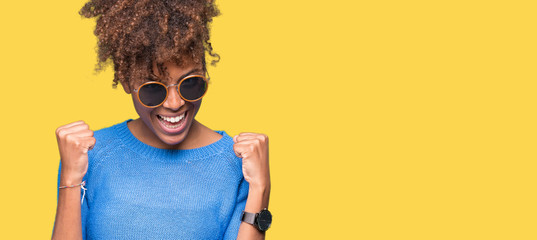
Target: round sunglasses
153 94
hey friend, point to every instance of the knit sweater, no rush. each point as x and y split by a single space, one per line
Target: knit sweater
136 191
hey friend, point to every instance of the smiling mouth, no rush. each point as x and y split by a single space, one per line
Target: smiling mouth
171 123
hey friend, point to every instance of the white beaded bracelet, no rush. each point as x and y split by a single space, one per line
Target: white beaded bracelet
82 184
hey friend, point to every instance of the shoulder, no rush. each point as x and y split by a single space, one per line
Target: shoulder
110 130
226 152
108 144
106 137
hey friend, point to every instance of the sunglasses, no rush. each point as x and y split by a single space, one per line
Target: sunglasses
153 94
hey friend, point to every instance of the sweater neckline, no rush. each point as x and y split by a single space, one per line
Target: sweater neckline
136 145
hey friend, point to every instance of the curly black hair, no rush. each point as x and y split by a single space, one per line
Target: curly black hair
134 34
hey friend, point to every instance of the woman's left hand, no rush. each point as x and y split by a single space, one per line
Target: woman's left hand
253 149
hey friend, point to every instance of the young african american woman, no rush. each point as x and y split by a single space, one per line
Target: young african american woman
163 175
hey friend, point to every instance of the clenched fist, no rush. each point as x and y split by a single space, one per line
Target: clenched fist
253 149
74 141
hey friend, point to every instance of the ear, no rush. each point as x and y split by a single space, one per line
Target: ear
126 87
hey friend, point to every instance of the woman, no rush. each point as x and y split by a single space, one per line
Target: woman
164 175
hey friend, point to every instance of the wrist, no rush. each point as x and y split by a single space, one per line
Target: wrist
67 180
258 198
259 186
259 189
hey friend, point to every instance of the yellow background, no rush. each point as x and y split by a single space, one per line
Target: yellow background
387 119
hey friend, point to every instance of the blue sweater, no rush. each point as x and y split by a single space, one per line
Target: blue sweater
136 191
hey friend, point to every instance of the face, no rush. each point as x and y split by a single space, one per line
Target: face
161 121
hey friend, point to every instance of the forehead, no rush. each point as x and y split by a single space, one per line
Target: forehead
173 71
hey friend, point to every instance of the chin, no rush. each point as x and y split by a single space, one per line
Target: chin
171 140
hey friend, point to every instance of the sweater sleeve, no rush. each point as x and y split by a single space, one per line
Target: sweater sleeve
233 227
84 205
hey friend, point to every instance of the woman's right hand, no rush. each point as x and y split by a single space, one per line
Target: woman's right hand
74 141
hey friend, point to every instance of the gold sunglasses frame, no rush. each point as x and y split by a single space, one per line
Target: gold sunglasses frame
136 90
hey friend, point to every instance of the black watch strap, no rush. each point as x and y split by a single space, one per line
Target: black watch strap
248 217
261 220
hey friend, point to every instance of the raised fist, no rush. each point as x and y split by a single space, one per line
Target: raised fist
74 141
253 149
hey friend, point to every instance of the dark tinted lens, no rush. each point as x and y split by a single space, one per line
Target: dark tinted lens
193 88
152 94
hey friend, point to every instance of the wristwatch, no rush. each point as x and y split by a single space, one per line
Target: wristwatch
260 220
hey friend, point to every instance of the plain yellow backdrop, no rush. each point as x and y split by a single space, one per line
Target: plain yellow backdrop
386 119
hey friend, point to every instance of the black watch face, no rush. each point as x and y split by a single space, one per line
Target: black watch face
264 220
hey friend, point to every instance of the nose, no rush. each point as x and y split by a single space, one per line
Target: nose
174 100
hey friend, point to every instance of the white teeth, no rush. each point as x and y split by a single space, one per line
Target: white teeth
173 119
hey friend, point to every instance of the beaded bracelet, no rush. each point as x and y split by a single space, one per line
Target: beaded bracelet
82 184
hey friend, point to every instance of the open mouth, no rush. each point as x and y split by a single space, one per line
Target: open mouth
172 124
